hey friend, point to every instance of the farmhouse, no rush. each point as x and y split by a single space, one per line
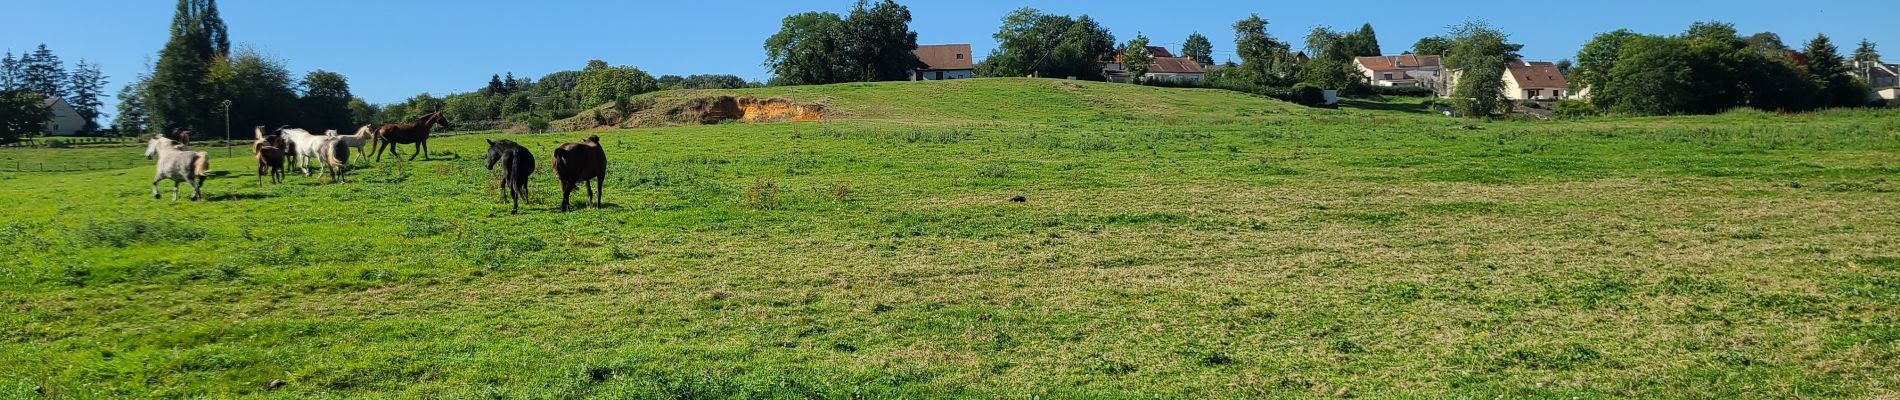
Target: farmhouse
1401 70
1536 80
944 62
1165 68
66 120
1883 78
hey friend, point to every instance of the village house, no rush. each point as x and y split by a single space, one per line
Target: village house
1536 80
1883 78
66 120
1401 70
944 62
1165 68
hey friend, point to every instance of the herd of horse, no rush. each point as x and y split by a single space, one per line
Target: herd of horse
583 164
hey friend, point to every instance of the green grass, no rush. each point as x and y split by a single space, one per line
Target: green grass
1173 243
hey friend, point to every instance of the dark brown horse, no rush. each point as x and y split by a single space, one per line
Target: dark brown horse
516 164
413 132
583 163
269 151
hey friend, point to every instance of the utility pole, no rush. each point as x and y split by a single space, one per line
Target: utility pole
228 150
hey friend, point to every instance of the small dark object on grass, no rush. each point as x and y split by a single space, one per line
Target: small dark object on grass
1019 199
274 384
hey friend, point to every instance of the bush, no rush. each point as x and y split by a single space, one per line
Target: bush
1309 95
1575 109
1402 91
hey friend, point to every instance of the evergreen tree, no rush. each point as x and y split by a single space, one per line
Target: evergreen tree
43 73
1199 49
1366 42
88 86
508 84
10 71
1867 52
495 87
1832 73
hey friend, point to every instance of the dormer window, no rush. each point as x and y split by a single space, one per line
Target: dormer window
959 56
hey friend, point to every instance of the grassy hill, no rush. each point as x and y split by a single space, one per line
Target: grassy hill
1169 243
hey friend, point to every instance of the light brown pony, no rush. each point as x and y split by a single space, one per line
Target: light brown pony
412 132
584 163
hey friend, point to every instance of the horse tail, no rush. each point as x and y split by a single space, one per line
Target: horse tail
201 165
342 151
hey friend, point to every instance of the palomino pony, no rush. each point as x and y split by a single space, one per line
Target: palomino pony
412 132
306 146
269 151
179 164
364 137
584 163
516 164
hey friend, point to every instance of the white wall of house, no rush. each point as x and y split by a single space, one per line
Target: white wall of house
1402 77
1514 91
66 120
1888 93
944 75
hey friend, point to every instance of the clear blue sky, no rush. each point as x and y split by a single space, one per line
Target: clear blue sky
393 49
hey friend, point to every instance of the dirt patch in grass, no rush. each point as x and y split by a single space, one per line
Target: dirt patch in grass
648 112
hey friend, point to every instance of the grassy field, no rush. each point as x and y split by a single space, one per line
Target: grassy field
1172 244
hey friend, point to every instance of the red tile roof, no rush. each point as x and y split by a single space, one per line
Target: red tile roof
1538 75
1398 63
945 56
1175 65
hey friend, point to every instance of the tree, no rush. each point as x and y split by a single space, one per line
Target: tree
878 42
1595 60
1136 58
361 112
22 113
1565 65
1651 76
1431 46
10 71
1264 60
711 82
325 101
1198 48
133 118
1364 43
1867 52
88 85
807 50
1832 73
509 84
1766 43
600 83
261 92
1478 56
1031 43
495 86
43 73
180 96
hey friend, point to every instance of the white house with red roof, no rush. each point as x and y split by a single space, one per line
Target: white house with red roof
944 62
1400 70
1164 68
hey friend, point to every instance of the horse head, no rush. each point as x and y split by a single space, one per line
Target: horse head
595 139
494 153
157 142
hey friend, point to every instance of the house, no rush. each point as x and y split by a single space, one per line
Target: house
1878 75
1536 80
944 62
1165 67
1401 70
66 120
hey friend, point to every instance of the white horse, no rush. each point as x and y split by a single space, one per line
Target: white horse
309 147
363 137
179 164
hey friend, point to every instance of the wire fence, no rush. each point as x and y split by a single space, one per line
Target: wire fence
67 166
69 142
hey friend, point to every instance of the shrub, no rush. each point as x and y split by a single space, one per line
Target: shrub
1575 109
1402 91
1309 95
763 195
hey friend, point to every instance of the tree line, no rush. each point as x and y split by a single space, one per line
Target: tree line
1711 68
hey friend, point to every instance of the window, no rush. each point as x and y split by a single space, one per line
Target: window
959 56
1388 75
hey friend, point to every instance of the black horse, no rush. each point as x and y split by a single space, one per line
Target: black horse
516 164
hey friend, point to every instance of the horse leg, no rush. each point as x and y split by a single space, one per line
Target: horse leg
197 184
600 194
174 190
155 186
419 151
379 150
567 190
